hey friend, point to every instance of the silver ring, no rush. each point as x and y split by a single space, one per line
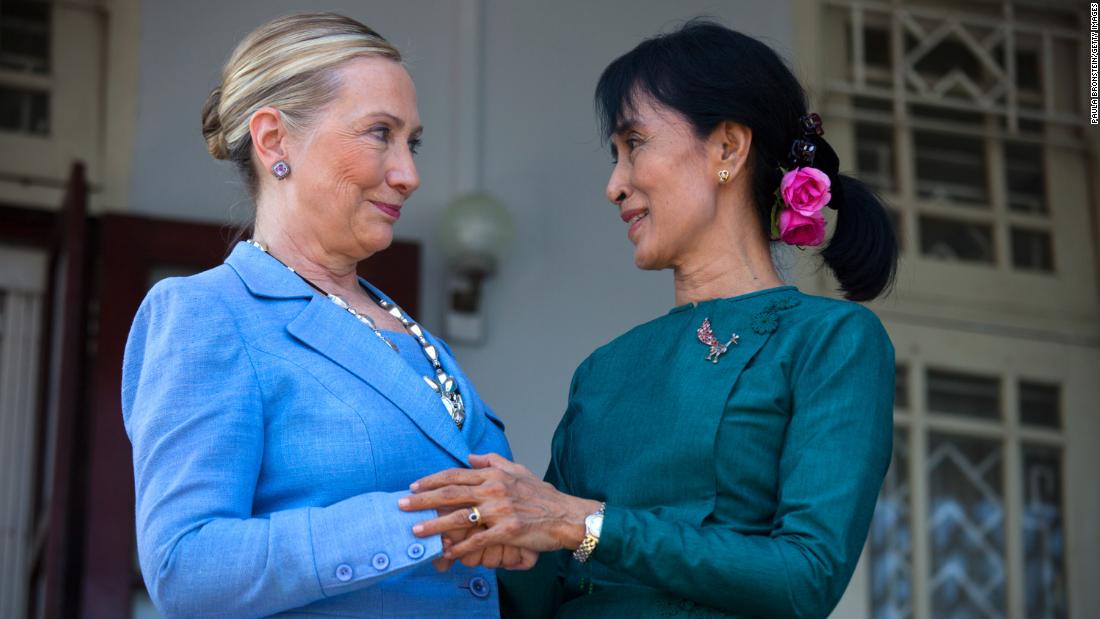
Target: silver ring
474 516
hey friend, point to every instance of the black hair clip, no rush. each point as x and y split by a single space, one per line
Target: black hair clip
804 148
802 153
811 125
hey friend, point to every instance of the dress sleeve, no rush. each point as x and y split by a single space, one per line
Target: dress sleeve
192 407
834 457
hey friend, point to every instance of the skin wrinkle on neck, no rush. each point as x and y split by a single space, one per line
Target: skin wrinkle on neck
334 275
325 269
727 264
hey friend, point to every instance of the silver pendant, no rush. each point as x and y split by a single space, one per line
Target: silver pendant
456 408
447 390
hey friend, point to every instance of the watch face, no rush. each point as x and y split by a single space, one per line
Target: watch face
593 525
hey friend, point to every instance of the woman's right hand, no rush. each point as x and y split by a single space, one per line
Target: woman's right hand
492 557
516 507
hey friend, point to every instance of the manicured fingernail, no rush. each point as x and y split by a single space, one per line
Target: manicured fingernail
418 528
414 486
403 502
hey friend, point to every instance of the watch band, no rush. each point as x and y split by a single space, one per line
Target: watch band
588 545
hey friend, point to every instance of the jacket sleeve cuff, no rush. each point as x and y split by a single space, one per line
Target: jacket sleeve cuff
365 538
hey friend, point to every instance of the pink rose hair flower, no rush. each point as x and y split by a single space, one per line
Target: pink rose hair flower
796 213
805 190
798 229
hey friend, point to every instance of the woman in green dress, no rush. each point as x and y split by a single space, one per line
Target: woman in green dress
723 459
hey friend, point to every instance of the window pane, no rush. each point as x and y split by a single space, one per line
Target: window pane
1031 250
964 394
873 104
896 223
875 156
951 168
3 308
1024 177
966 527
1044 535
25 36
891 541
961 118
1040 405
950 239
1028 75
901 386
950 56
25 111
878 56
876 47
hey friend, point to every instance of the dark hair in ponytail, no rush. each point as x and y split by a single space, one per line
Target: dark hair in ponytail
711 74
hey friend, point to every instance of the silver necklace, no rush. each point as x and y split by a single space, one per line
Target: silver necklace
444 385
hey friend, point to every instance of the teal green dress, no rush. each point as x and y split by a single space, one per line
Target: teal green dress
742 488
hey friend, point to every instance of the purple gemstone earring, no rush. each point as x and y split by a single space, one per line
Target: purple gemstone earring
281 169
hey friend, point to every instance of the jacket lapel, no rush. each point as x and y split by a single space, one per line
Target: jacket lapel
264 276
334 333
472 428
475 416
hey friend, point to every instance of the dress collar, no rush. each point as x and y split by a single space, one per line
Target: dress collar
740 297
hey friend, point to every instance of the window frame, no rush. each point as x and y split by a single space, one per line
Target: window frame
76 86
1017 324
1011 434
1066 176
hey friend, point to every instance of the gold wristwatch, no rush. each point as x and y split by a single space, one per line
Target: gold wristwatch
593 524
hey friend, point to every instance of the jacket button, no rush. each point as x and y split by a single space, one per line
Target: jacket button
380 561
416 551
343 572
479 587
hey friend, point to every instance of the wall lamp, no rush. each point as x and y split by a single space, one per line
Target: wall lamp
475 232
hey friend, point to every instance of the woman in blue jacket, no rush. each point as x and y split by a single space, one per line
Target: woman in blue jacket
278 406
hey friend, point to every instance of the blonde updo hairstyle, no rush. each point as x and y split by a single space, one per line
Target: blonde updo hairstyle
290 64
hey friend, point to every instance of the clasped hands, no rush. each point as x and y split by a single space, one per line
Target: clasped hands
520 515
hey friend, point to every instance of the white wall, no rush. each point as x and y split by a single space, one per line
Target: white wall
569 284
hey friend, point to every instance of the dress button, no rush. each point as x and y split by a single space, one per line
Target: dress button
380 561
416 551
344 572
479 587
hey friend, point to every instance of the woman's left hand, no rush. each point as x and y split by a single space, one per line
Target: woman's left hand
516 507
507 557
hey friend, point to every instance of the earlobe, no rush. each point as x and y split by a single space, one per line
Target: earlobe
734 140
